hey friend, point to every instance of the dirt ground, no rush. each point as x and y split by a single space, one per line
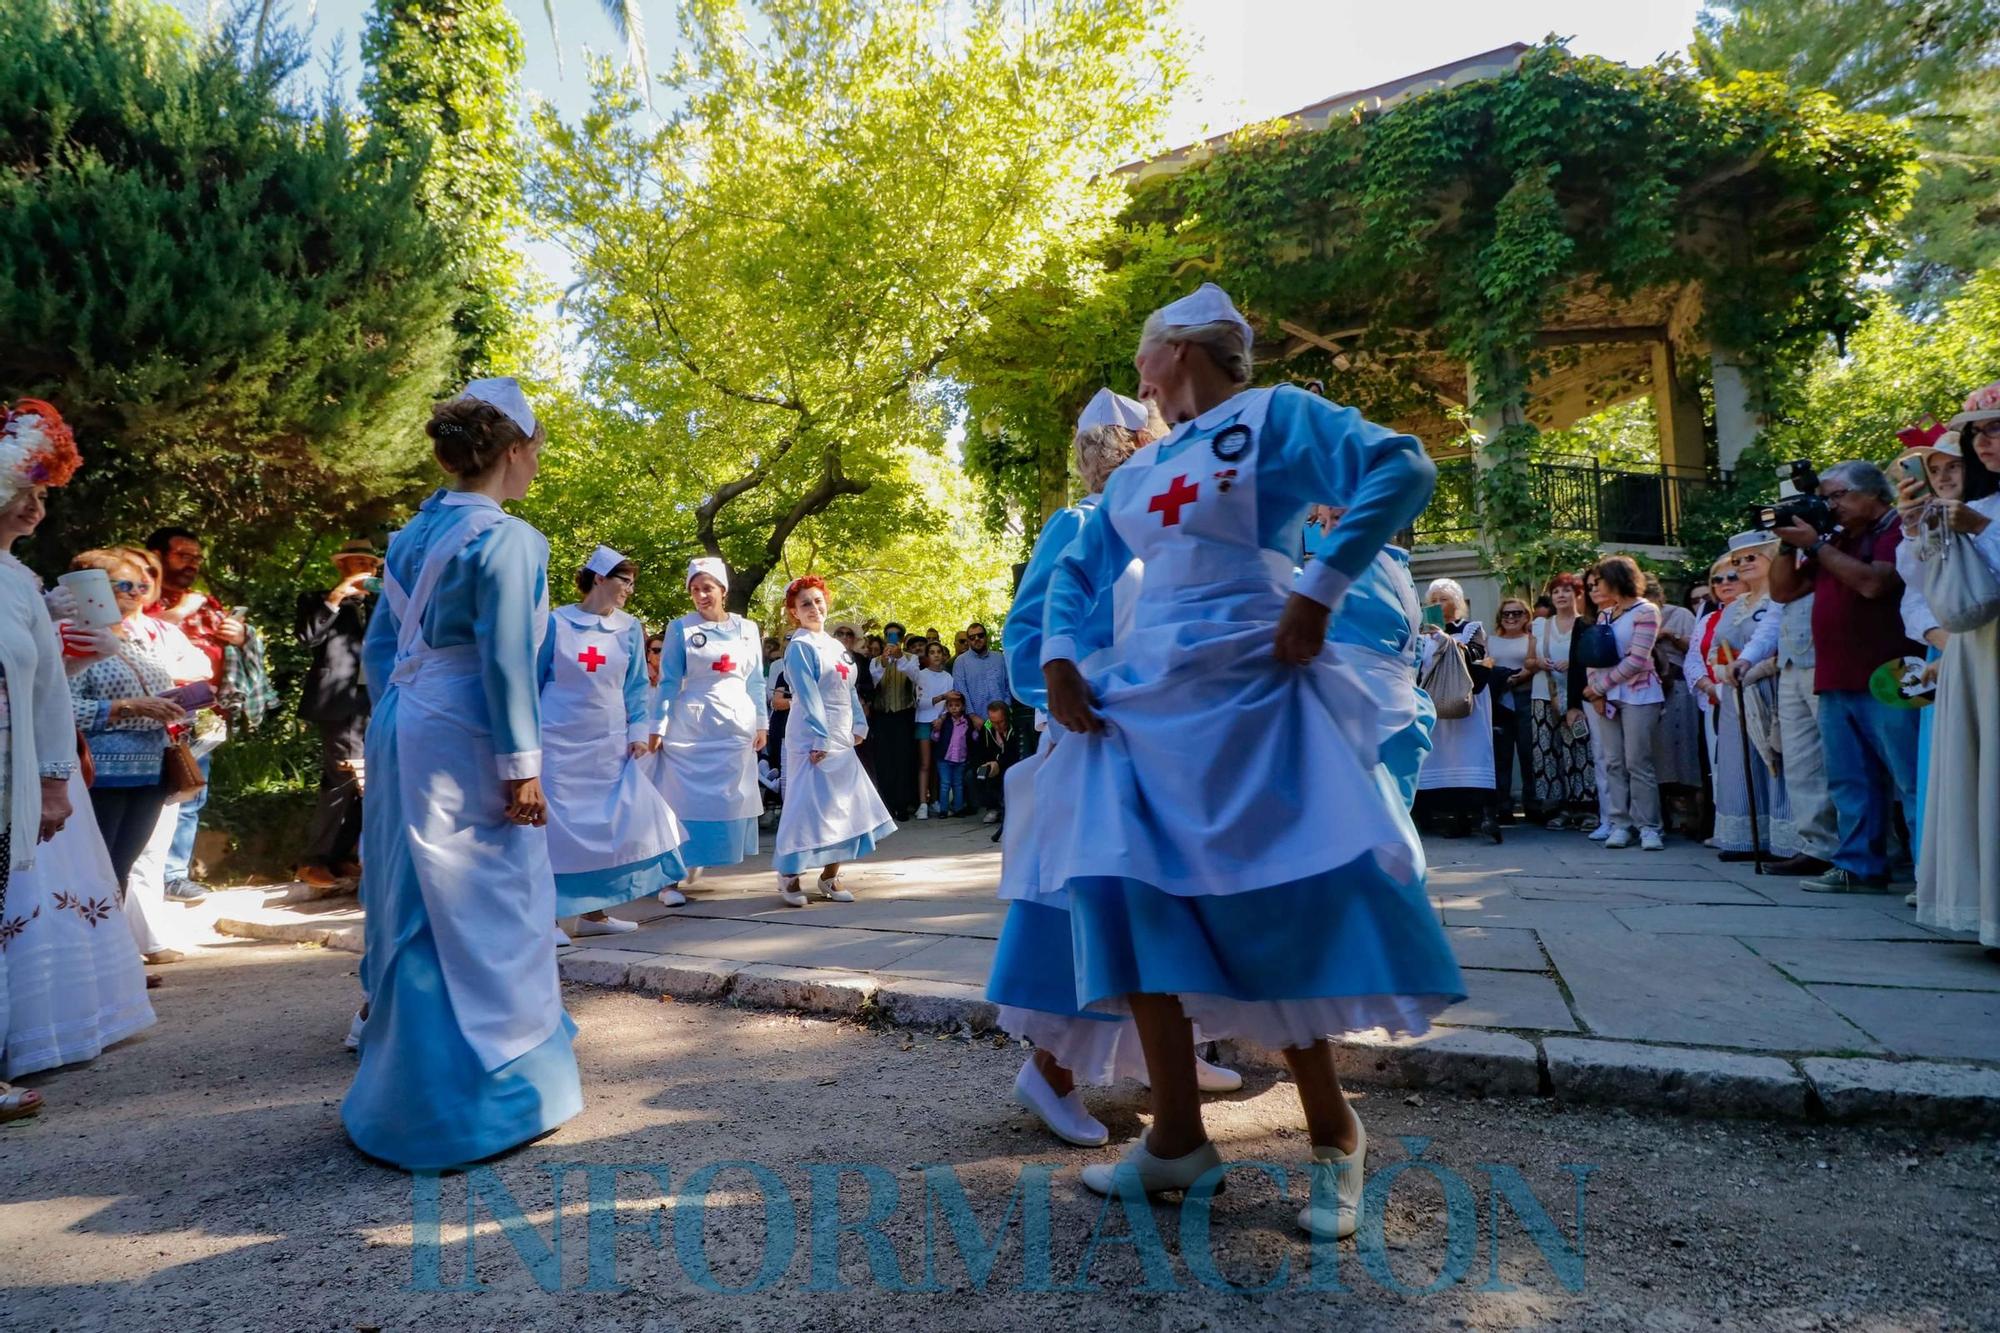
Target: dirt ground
197 1178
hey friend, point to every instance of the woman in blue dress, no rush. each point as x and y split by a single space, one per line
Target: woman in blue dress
612 838
1242 865
465 1051
832 814
1034 977
711 717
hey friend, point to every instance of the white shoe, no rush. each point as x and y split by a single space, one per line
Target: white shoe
830 890
352 1041
790 892
1600 833
1909 900
1340 1188
991 817
1619 840
923 812
610 925
563 941
1207 1077
1651 841
1067 1117
1712 842
672 897
1157 1175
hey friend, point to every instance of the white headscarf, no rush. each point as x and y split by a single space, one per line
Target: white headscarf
1206 304
603 560
1113 409
709 565
504 392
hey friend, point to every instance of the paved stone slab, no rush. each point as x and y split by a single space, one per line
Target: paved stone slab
1634 892
1507 909
674 933
1692 991
1916 1092
1929 964
1496 947
1510 1000
914 1002
1489 1063
926 916
1674 1078
597 967
1821 923
1963 1025
810 946
965 960
683 976
807 989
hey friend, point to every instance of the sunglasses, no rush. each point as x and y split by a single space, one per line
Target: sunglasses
1726 578
1512 615
1987 427
129 588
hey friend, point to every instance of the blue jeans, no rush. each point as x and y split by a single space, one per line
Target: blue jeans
180 854
951 786
1871 759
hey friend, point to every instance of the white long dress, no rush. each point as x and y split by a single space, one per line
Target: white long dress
1461 747
709 708
832 812
612 838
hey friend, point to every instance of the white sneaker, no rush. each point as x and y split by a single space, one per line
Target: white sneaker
1651 841
991 817
830 890
610 925
1067 1117
672 897
1909 900
790 892
1619 839
1341 1189
1214 1078
1600 833
1157 1175
563 941
923 812
352 1041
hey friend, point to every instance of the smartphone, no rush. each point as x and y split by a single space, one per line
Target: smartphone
198 694
1913 470
1434 615
372 583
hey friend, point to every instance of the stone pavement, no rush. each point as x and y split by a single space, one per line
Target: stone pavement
1654 979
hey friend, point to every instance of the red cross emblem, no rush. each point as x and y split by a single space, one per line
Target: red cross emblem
1169 503
723 663
841 667
591 659
1225 479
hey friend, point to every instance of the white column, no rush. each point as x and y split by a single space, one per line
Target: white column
1737 421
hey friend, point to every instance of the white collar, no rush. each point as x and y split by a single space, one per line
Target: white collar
449 497
576 615
1221 412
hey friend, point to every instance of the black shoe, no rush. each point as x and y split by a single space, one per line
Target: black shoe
1798 865
1489 827
1739 856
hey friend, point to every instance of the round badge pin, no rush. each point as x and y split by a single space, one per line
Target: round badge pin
1231 443
698 639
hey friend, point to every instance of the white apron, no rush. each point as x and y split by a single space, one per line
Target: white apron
706 768
834 801
1217 771
487 888
603 811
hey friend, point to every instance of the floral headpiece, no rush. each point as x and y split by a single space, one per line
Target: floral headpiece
36 448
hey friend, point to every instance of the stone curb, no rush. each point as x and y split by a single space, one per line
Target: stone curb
1672 1078
1908 1092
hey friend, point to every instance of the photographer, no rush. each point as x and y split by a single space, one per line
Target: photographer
332 624
1870 748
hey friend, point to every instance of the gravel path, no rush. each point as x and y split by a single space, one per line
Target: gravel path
198 1178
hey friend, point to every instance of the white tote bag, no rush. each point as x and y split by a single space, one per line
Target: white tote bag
1959 585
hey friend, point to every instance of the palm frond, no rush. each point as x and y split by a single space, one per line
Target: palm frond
630 25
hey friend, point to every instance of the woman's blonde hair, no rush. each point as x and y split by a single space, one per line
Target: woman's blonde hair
110 559
1223 340
1100 449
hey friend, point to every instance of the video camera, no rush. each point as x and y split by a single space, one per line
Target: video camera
1798 501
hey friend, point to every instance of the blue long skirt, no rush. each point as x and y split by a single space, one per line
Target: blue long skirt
718 842
420 1098
595 890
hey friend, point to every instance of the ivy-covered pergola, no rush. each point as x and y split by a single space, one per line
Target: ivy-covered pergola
1518 240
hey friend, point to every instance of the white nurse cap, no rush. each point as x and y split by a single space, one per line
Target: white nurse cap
505 394
709 565
1206 304
602 561
1113 409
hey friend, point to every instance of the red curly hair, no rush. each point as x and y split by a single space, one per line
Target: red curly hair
798 587
1567 580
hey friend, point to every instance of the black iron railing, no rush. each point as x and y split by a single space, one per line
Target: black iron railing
1622 506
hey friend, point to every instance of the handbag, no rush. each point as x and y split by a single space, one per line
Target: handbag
179 773
1958 583
1448 680
1600 645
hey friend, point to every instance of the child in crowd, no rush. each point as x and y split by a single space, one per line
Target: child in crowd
951 741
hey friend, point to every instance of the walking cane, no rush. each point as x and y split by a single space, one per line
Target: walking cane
1749 782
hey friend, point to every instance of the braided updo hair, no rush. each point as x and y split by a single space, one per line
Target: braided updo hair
468 436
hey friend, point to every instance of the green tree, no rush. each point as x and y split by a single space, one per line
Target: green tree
440 87
243 311
1934 64
841 194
